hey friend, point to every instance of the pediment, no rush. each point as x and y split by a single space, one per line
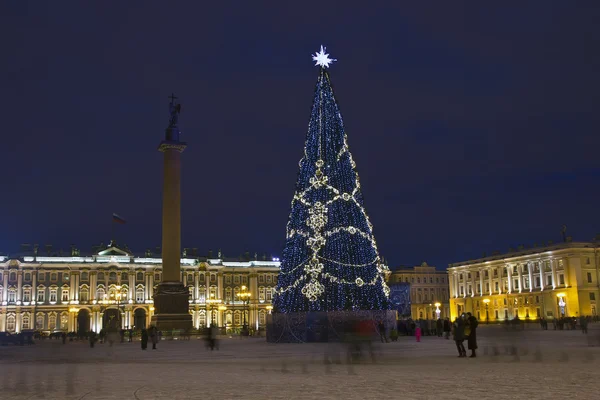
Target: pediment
113 251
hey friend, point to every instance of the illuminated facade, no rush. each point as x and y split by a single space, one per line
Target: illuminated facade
115 288
428 287
551 281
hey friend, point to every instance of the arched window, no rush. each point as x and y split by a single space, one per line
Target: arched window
100 276
12 295
39 321
12 277
28 276
202 319
139 294
262 317
26 321
236 290
237 318
84 294
27 294
112 276
140 276
213 292
10 323
52 322
84 276
124 277
261 293
269 294
64 321
100 293
228 294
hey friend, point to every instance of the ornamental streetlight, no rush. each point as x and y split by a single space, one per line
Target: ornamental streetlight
437 310
212 301
117 300
487 314
244 296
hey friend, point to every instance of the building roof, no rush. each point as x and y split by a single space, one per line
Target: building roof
522 251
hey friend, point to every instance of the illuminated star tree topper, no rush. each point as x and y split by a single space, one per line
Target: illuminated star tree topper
321 58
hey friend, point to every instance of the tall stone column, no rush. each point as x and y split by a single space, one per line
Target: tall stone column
509 272
171 298
491 281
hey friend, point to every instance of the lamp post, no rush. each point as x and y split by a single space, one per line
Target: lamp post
437 310
212 301
244 296
118 297
487 314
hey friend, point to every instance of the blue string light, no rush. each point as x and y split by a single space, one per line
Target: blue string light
330 261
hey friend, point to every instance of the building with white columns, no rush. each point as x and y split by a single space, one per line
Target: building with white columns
113 287
550 281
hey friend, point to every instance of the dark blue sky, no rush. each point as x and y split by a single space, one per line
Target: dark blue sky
474 128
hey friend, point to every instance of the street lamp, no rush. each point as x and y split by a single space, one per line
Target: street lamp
244 296
437 310
210 303
487 314
269 308
118 297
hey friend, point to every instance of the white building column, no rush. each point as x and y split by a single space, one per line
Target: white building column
5 290
131 279
520 277
19 288
18 321
34 291
196 294
566 272
490 274
151 286
482 290
93 286
541 272
530 270
509 272
553 266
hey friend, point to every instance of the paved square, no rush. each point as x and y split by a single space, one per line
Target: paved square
547 364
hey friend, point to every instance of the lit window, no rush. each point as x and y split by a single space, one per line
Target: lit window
139 276
261 279
65 295
12 296
39 322
26 322
84 276
27 295
41 295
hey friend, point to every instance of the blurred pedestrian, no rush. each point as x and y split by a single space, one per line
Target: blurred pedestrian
144 338
459 335
472 338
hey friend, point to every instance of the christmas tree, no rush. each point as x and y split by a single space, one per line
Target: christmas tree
330 261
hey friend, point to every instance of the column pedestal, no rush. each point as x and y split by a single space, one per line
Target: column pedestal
171 307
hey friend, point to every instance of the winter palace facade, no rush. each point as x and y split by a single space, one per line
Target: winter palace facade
553 281
83 293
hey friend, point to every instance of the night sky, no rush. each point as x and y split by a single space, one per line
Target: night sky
474 128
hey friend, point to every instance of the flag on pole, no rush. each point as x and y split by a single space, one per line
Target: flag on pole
118 219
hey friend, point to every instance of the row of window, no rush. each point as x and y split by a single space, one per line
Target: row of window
537 284
424 280
113 277
515 271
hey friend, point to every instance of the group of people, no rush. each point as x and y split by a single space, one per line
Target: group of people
465 328
151 333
